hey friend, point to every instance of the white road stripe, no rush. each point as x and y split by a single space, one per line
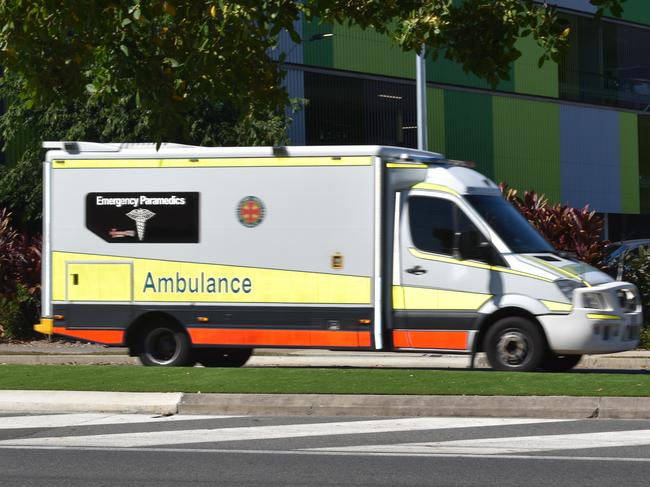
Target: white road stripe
501 446
89 419
194 451
130 440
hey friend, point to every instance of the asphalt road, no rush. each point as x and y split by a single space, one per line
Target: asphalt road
131 450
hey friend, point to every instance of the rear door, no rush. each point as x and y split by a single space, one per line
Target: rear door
99 281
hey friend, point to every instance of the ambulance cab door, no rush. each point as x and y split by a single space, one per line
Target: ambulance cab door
444 274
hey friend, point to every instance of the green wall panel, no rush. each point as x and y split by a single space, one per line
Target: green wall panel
629 143
468 129
366 51
531 79
317 53
436 120
445 71
644 162
527 145
637 11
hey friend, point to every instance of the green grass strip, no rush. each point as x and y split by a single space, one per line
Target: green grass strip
320 381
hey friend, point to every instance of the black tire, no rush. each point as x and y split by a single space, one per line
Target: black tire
560 363
165 345
515 344
223 357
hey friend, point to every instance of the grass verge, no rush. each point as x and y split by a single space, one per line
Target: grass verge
319 381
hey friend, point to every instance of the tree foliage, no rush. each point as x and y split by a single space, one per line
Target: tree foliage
88 118
170 55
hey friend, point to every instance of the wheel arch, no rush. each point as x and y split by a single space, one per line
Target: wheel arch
489 320
142 322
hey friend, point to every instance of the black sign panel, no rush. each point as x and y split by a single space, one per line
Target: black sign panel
144 217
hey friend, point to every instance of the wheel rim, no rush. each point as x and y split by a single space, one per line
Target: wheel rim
513 348
162 346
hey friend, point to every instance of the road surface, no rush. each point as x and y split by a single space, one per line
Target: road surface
138 450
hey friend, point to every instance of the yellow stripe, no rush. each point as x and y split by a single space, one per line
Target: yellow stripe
468 263
436 187
229 286
558 269
406 165
557 307
597 316
212 162
417 298
398 297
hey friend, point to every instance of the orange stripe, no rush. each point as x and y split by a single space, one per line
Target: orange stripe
287 338
109 337
446 340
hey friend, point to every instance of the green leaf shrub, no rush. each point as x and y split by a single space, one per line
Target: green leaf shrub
637 271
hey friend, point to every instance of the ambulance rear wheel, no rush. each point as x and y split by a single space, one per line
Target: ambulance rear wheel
560 363
165 345
223 357
515 344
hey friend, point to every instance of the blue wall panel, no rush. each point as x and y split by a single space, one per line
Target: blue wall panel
590 158
580 5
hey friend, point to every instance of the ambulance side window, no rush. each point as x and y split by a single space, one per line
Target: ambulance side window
432 224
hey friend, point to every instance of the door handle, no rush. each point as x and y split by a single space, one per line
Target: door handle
417 270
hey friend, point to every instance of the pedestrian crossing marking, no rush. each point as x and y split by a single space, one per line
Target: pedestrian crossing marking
504 446
211 435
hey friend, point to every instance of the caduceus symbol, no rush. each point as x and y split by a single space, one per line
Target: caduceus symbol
140 215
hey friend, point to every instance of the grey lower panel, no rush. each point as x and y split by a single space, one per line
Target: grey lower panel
436 320
120 316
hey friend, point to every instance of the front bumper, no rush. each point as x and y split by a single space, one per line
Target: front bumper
46 326
587 330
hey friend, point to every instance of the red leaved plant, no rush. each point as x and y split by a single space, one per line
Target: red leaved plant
20 267
20 258
574 230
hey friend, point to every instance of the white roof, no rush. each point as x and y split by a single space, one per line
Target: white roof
81 150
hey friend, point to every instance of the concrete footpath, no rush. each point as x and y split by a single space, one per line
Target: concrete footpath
36 402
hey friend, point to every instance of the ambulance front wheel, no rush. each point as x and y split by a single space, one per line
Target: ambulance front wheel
515 344
165 345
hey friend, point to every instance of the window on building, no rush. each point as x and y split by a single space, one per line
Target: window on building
350 110
607 63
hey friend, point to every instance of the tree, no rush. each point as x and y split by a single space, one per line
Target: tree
171 56
210 123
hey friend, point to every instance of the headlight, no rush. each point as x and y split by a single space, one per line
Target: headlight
593 301
567 286
627 300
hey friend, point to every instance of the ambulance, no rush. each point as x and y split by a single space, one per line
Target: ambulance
192 255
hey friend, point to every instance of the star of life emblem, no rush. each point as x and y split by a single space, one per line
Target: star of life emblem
140 215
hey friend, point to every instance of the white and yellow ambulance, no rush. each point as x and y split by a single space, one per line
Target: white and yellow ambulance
197 254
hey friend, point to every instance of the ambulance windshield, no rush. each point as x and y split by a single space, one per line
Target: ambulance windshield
515 231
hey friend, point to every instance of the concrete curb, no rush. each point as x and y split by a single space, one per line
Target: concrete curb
560 407
89 402
393 405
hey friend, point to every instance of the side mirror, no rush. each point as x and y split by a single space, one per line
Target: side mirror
471 245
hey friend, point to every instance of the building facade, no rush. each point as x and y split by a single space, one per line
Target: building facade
577 131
